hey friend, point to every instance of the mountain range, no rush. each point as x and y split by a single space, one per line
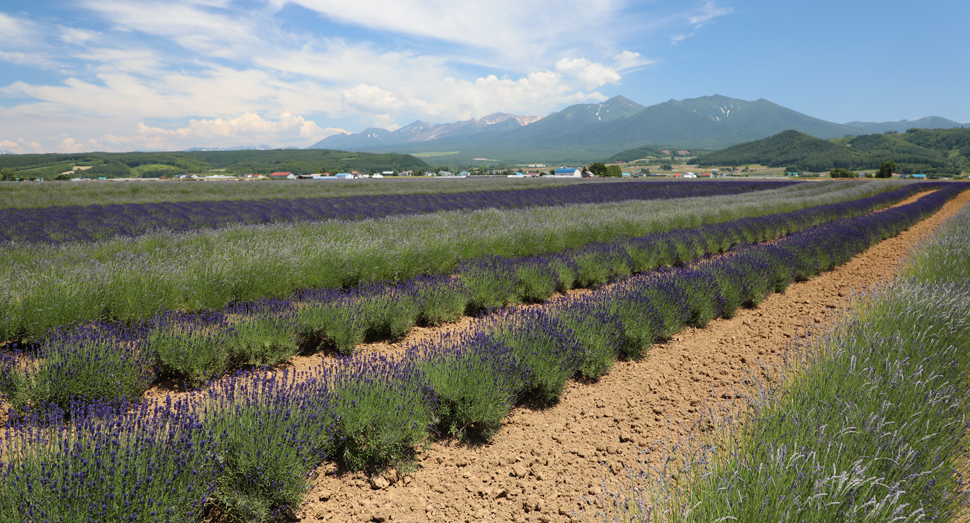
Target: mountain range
585 132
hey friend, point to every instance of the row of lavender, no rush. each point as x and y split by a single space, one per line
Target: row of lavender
56 225
248 444
112 360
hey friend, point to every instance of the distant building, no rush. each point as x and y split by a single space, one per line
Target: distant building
282 176
570 172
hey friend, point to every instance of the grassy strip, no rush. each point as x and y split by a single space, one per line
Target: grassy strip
42 287
868 423
199 347
268 433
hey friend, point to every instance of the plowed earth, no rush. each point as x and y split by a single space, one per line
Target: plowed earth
542 462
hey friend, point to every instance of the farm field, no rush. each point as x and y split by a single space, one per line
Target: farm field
60 225
314 397
42 286
543 461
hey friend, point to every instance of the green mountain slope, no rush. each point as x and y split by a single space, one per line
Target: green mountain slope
939 151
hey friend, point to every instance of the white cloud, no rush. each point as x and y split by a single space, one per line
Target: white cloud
592 74
524 31
538 92
16 31
73 35
144 61
706 13
371 99
21 146
246 129
191 26
700 17
629 60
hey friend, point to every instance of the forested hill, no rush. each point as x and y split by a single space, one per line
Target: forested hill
306 161
155 164
931 151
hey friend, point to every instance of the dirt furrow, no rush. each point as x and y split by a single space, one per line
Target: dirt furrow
543 461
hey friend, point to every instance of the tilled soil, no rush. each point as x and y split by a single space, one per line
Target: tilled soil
542 462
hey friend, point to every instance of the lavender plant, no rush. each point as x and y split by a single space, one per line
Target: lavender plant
599 332
442 300
383 407
263 333
475 379
491 282
390 312
273 431
536 282
192 347
83 362
542 345
338 323
111 462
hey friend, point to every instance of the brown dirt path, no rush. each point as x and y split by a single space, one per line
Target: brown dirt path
543 461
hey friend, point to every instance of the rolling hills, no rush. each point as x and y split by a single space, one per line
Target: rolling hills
930 151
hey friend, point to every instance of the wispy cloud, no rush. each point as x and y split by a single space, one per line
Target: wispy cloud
700 17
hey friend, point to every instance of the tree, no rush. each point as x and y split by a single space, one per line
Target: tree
886 169
8 174
614 171
842 173
666 167
598 168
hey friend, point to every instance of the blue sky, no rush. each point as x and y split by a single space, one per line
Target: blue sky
121 75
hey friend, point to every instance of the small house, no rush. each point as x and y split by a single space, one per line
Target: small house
282 176
570 172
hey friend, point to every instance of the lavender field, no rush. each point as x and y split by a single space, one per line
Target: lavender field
82 444
864 422
58 225
365 411
43 286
